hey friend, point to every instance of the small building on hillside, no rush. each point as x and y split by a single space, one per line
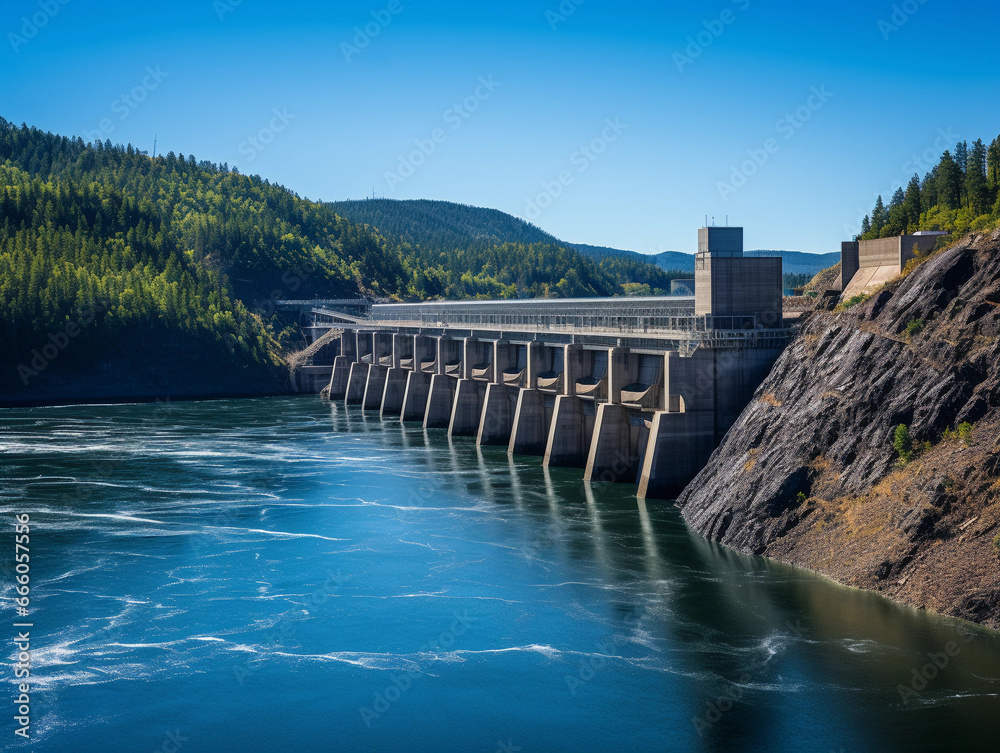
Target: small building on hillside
864 265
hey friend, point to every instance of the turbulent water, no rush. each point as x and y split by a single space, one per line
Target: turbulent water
281 575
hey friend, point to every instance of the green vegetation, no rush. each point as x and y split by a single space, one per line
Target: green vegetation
915 327
125 254
442 225
962 433
903 444
456 251
961 194
996 544
853 301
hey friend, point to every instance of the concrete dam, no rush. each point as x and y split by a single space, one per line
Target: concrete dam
632 390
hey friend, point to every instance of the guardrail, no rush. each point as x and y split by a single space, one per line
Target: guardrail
646 318
625 315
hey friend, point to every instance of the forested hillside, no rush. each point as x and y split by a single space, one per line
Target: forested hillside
112 263
961 194
442 225
465 251
123 275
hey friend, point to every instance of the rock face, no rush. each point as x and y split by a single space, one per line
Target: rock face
809 474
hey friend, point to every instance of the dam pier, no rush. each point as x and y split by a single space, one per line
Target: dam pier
630 390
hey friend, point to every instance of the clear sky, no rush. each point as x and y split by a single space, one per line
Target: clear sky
789 117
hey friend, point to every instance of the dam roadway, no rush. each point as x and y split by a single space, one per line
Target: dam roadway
632 390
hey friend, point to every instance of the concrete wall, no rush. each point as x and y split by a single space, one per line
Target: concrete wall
924 244
679 445
570 432
850 262
312 379
738 373
393 393
879 253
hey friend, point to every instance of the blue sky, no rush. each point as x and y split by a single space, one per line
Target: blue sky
789 117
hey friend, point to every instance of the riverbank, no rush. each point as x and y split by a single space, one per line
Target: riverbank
173 373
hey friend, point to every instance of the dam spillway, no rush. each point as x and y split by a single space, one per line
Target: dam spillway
631 390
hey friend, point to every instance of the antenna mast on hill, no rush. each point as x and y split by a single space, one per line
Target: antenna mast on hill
154 144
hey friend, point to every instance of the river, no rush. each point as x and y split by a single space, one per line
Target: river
286 575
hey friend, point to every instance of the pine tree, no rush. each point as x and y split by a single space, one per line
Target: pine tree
928 190
879 216
949 182
976 189
912 204
962 154
993 166
897 198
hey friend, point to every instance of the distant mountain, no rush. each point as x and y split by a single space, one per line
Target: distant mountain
671 260
447 226
794 262
800 263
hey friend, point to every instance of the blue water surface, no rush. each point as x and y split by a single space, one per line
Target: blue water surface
286 575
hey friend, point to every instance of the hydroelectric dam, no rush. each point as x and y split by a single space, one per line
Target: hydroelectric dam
632 390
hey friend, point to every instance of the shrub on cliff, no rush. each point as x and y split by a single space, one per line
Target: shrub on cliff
903 444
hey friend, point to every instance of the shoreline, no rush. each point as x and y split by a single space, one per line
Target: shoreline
139 399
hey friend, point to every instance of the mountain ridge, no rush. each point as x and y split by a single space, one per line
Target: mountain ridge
452 225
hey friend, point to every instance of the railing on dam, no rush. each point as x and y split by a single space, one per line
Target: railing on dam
667 318
622 316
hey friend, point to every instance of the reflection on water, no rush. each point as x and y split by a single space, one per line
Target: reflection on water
289 575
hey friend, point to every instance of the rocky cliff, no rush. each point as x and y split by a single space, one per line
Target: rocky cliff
810 474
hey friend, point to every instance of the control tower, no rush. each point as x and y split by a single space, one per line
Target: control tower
738 291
